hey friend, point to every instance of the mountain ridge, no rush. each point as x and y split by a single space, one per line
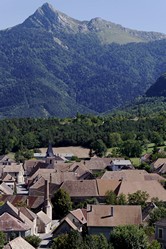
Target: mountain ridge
46 70
47 17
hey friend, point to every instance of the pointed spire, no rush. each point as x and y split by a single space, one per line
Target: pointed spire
50 152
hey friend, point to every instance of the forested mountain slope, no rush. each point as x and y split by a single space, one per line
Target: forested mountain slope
54 65
159 88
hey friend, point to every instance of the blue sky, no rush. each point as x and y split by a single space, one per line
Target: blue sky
148 15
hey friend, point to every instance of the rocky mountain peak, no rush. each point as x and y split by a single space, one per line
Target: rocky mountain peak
47 10
49 18
43 17
48 7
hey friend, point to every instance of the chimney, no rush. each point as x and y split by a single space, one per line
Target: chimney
50 178
19 215
19 212
27 202
112 211
90 208
46 191
47 206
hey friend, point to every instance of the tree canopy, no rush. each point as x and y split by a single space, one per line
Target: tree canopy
33 240
138 198
157 214
130 237
2 239
61 202
84 130
74 240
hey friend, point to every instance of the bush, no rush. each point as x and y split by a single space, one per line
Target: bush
33 240
130 236
2 239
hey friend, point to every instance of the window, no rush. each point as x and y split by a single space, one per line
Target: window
160 233
162 245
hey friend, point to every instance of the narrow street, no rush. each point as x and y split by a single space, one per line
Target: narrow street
46 239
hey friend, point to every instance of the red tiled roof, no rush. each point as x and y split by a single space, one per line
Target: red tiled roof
84 188
153 188
18 243
113 215
33 201
79 215
105 185
10 223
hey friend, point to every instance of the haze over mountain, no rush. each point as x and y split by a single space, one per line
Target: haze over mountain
52 64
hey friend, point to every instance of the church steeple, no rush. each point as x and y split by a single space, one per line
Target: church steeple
49 152
50 155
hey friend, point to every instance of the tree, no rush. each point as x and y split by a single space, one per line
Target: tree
145 166
114 152
91 154
157 139
149 231
60 242
110 197
99 147
157 201
115 139
154 245
2 239
29 140
100 241
121 199
130 237
22 155
62 203
72 240
156 215
96 241
83 204
33 240
131 148
75 158
138 198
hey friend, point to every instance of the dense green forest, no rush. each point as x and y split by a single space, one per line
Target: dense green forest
142 106
53 68
83 130
154 101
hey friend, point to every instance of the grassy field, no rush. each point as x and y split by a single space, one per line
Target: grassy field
78 151
11 155
135 161
151 146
